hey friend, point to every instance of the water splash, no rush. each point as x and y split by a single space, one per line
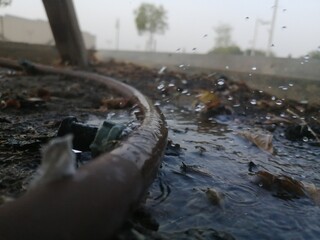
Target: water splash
157 103
304 101
199 108
221 81
284 88
160 86
253 101
184 81
162 70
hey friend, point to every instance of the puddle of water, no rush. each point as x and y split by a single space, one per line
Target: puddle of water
178 202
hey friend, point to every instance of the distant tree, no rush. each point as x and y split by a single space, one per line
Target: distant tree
314 54
4 3
223 42
151 19
223 36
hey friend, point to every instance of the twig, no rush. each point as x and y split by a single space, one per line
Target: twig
305 124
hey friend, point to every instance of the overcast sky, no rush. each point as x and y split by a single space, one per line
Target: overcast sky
297 28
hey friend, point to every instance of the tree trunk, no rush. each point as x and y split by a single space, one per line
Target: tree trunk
66 31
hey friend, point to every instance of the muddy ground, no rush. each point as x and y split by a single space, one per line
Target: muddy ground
33 106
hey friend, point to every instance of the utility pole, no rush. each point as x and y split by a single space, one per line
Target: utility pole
117 33
273 22
257 23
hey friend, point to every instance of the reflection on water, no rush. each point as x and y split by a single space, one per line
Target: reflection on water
177 198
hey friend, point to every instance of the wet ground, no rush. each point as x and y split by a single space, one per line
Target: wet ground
207 186
210 183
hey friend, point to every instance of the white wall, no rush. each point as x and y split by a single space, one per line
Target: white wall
18 29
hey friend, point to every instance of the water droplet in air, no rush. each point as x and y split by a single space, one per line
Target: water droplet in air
254 68
279 102
184 81
171 85
160 86
199 108
162 70
260 185
304 101
305 139
290 84
181 66
221 81
184 91
157 103
253 101
230 98
227 67
284 88
273 98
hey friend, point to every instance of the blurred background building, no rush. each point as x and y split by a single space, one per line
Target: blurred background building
17 29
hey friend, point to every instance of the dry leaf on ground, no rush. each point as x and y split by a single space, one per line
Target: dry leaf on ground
260 139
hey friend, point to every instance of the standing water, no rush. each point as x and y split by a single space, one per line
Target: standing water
207 156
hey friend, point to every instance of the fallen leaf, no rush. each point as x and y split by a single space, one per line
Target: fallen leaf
194 169
261 140
313 192
12 103
286 187
200 149
43 94
215 197
209 99
283 186
114 103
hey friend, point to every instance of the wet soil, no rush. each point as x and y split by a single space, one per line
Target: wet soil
32 108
